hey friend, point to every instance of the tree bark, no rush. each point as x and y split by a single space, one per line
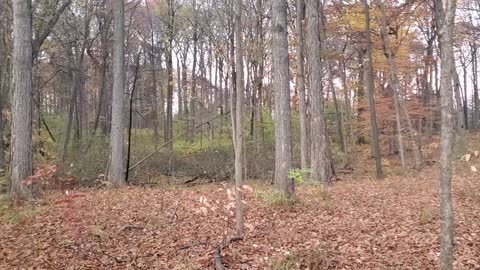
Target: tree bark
320 158
281 91
446 13
21 164
238 119
117 135
338 115
302 103
169 56
371 96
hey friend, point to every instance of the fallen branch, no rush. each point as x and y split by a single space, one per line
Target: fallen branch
174 138
217 255
131 227
184 247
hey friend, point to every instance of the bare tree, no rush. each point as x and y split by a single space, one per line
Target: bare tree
281 90
117 136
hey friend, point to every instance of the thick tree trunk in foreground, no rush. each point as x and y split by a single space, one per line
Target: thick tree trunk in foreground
281 91
117 136
21 164
320 157
371 96
446 15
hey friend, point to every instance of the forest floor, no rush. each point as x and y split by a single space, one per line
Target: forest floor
358 223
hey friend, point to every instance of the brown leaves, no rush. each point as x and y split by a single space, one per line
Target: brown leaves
361 224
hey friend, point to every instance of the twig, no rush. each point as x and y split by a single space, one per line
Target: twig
191 245
177 204
131 227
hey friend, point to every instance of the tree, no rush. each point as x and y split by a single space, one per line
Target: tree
21 164
302 103
117 168
320 148
445 12
281 91
371 95
238 127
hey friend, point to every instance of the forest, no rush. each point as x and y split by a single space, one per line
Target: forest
239 134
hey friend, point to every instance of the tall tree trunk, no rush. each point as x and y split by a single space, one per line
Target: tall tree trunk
302 103
461 127
371 96
338 115
446 13
154 101
179 86
238 118
169 56
21 164
476 101
117 167
320 158
281 91
193 92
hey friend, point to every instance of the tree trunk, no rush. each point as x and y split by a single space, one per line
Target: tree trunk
238 118
169 56
154 101
21 164
117 167
281 91
476 105
320 158
446 15
458 99
179 87
371 96
193 92
302 103
338 115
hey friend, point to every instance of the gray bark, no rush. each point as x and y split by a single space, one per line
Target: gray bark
302 103
281 91
117 167
21 164
320 157
238 118
446 13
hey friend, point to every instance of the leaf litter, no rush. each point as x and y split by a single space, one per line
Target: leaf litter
361 224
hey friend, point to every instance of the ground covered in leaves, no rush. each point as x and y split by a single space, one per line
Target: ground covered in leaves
355 224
